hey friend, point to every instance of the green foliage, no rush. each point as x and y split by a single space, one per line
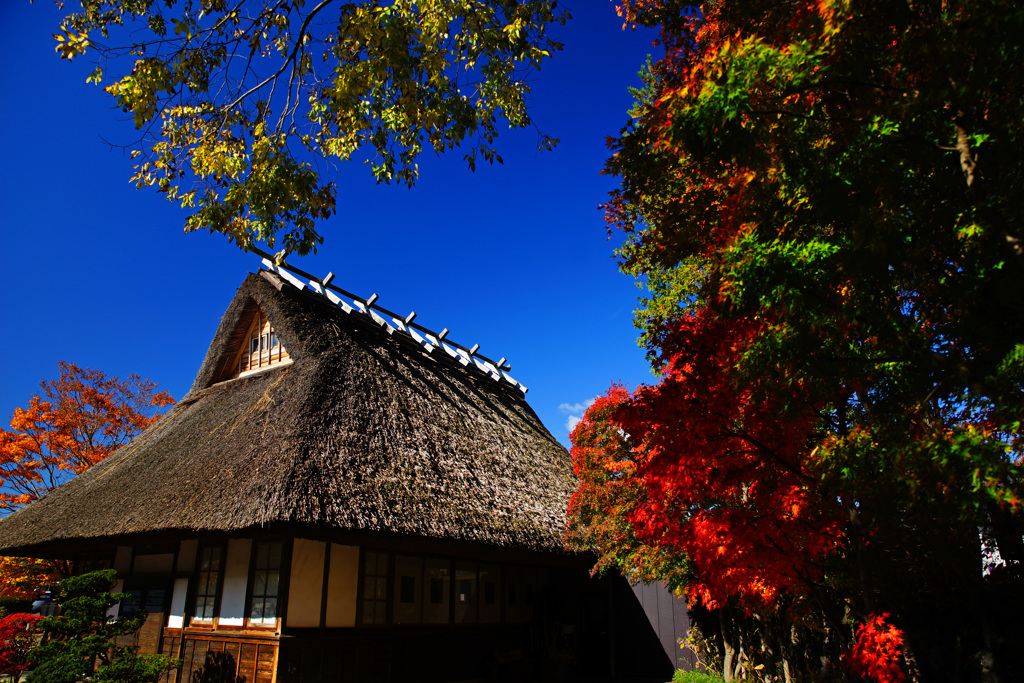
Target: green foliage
83 643
681 676
822 200
236 99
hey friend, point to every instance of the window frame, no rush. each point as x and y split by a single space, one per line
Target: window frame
194 619
140 587
282 584
387 577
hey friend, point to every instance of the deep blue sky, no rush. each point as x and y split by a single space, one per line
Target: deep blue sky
514 257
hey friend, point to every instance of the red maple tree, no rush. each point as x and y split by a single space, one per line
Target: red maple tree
700 467
877 653
17 638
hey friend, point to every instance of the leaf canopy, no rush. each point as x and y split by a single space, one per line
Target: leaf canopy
823 199
76 421
244 104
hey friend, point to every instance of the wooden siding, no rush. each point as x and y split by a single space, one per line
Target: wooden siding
169 645
255 658
149 636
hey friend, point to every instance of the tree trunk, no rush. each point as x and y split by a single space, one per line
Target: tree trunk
729 654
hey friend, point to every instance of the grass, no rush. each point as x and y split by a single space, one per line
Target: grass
695 677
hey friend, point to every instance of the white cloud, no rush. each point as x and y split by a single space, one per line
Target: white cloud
575 412
573 408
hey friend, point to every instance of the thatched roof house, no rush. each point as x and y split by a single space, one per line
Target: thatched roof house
362 431
342 495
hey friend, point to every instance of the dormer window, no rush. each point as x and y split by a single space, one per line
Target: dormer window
262 347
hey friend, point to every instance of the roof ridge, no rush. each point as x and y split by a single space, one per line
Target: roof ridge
428 340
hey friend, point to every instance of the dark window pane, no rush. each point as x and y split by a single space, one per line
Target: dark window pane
132 602
408 589
511 594
275 555
436 591
490 592
155 600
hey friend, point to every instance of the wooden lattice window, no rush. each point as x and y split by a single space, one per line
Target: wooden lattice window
375 588
261 348
208 584
266 583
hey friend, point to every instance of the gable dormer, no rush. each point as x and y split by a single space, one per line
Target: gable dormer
253 346
260 347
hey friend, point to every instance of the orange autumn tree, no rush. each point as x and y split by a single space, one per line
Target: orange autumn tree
75 421
25 577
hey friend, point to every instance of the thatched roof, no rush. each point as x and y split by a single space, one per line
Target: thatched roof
364 432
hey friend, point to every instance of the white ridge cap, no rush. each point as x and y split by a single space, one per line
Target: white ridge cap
426 339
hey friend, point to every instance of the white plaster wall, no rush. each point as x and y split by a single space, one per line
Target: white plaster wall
115 610
236 579
342 582
306 586
177 615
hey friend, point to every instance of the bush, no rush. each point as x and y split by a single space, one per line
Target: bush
83 644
